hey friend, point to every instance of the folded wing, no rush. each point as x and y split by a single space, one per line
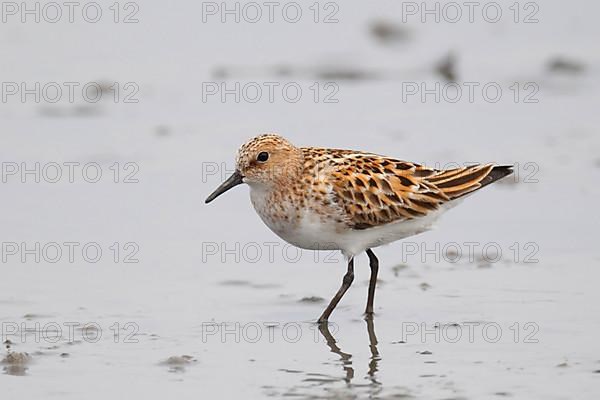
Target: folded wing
374 190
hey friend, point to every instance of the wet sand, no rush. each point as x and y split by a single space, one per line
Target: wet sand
200 314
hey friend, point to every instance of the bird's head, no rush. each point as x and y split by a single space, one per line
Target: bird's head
264 161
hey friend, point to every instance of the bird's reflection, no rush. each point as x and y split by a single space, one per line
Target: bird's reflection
346 358
326 384
375 357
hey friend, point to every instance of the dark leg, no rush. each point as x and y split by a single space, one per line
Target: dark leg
374 264
346 282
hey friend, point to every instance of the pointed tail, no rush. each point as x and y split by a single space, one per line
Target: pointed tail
458 182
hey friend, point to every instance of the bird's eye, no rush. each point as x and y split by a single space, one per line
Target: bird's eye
263 156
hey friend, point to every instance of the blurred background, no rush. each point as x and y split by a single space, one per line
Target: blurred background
119 118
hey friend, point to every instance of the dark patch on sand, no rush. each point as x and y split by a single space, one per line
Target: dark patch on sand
344 74
162 130
565 65
36 316
234 282
396 269
290 371
446 68
388 32
312 299
178 363
242 283
15 363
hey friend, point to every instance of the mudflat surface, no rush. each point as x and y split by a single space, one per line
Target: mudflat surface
500 300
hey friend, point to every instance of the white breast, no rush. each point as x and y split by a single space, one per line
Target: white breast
312 231
308 231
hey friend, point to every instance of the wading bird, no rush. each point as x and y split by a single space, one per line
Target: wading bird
352 201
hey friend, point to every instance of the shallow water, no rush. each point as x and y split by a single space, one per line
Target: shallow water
216 305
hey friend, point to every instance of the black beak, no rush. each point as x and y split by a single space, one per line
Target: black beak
233 180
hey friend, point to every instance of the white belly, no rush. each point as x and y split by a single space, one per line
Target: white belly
311 231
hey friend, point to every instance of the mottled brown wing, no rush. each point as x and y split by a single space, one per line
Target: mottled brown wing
374 190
